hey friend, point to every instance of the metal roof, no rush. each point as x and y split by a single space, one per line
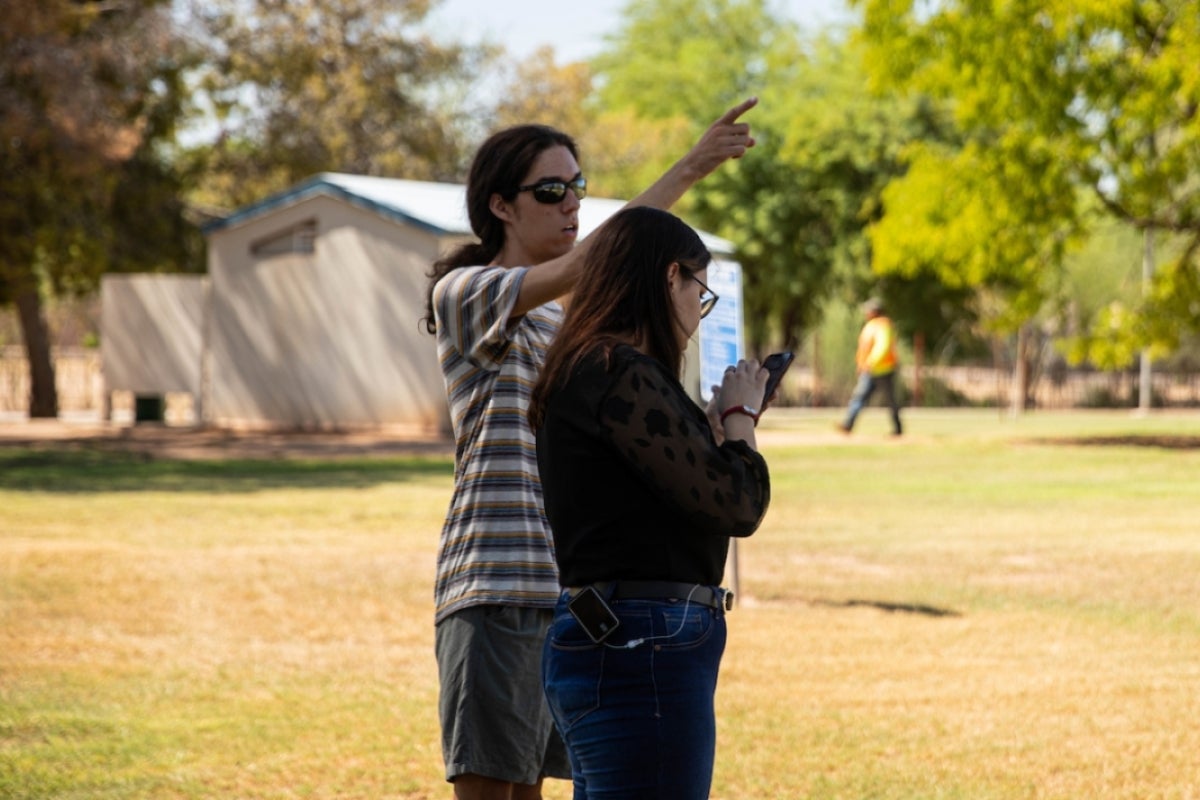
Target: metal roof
440 208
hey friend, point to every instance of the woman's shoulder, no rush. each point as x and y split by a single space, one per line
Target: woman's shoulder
604 364
633 371
626 356
617 363
622 362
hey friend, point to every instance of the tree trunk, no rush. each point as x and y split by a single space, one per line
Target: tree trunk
43 394
918 391
818 391
1019 390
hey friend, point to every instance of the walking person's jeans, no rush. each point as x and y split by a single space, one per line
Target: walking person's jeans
867 384
638 722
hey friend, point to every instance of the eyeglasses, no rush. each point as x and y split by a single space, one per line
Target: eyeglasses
552 190
708 298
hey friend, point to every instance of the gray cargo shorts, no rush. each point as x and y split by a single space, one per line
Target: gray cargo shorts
495 721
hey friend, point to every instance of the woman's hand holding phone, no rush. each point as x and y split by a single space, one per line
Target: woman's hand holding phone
746 390
776 364
740 395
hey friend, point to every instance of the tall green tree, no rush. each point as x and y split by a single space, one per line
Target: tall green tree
677 65
683 62
307 86
797 205
88 92
839 146
1064 106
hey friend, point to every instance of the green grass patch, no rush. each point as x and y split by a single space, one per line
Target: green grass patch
100 471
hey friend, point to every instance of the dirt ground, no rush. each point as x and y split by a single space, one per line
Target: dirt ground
158 440
185 442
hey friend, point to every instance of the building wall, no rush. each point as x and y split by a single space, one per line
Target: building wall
151 332
328 339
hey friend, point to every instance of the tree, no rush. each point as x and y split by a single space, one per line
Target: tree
621 153
542 91
1063 107
839 147
797 205
87 91
683 62
307 86
679 64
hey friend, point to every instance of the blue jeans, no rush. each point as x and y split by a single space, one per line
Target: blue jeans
638 722
867 384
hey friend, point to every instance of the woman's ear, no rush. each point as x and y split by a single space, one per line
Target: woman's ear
672 273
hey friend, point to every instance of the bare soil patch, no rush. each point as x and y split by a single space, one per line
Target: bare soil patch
193 443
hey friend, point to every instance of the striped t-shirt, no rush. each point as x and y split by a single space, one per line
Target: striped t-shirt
496 546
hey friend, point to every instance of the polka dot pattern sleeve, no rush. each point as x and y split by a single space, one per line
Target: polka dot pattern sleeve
666 439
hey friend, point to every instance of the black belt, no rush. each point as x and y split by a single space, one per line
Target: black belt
711 596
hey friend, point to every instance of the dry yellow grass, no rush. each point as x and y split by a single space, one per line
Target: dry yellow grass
965 614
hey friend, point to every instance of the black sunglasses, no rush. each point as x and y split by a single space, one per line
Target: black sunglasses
708 298
552 190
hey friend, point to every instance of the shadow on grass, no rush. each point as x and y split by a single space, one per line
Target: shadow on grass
894 608
76 471
1165 441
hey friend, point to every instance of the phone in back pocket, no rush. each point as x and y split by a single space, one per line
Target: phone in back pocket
593 614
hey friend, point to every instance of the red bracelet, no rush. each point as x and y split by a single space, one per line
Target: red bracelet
752 413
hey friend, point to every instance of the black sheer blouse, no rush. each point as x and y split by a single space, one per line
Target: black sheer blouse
635 486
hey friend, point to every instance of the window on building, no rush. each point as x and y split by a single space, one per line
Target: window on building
299 238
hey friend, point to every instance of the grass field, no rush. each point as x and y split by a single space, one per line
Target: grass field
985 609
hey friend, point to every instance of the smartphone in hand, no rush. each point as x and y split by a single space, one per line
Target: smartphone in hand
777 365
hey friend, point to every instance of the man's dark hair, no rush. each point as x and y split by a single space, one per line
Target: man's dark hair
500 165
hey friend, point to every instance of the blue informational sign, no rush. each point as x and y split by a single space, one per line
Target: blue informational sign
721 342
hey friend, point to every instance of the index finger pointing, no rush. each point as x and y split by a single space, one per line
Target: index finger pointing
741 108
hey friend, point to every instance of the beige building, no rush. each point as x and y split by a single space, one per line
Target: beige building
151 337
310 314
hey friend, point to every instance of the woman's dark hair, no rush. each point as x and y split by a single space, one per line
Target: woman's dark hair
501 164
623 296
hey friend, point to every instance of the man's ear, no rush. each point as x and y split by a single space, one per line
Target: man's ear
501 208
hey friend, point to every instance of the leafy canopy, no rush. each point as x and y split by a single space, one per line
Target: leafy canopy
310 86
1064 106
797 204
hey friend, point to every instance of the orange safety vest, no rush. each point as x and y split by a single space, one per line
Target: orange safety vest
877 347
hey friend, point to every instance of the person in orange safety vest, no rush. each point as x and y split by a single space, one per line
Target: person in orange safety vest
876 361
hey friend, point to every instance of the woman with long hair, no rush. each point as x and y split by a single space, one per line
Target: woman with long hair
643 493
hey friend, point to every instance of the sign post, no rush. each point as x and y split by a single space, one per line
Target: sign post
722 344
